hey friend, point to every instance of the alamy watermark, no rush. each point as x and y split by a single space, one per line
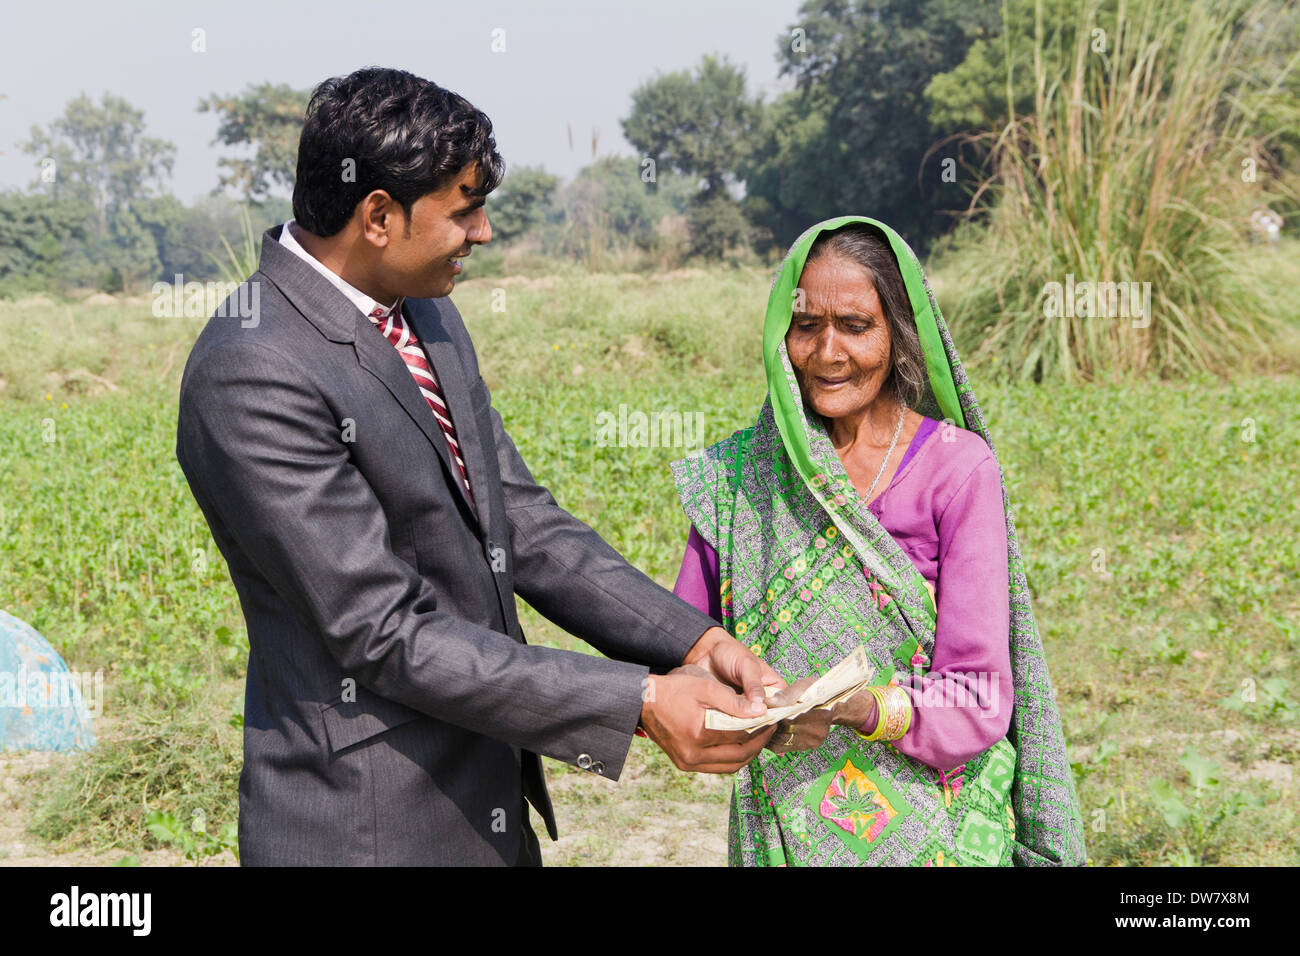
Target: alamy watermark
977 690
45 690
1100 300
198 300
633 428
129 910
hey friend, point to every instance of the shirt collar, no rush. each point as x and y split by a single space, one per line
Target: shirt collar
358 298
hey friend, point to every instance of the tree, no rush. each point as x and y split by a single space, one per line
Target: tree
34 232
974 94
794 177
268 118
631 206
128 252
609 206
101 157
522 202
852 136
699 126
716 225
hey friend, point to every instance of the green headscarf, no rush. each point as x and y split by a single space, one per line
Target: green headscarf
776 503
941 400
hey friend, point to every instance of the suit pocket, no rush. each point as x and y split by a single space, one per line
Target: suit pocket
350 722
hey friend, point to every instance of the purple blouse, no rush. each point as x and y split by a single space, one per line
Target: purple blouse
944 508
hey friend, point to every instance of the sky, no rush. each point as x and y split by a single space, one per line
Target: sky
565 65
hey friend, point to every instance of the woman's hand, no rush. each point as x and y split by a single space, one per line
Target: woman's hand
856 711
804 732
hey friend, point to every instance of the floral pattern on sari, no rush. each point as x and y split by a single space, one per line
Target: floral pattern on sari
855 804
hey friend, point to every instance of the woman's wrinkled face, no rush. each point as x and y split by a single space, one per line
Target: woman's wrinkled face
839 341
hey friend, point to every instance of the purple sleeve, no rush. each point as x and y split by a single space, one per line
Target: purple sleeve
963 705
697 581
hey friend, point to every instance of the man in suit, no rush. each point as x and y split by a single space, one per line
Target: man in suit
377 522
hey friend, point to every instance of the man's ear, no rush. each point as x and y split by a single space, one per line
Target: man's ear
379 217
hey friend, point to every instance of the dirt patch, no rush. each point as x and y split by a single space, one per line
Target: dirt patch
635 832
1278 773
18 847
649 817
79 381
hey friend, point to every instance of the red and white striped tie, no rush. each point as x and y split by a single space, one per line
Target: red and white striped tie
394 328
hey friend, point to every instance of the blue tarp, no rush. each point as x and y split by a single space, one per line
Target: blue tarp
42 703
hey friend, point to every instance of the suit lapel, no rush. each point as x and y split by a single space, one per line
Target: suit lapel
378 357
425 321
341 321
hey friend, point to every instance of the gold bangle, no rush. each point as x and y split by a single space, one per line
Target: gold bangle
907 724
899 712
879 698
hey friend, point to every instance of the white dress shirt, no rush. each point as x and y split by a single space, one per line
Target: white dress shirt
355 295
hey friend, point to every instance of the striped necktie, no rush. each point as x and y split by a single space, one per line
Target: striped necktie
394 328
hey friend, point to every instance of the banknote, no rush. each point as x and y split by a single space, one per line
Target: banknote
839 683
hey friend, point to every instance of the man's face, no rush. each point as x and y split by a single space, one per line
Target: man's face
444 226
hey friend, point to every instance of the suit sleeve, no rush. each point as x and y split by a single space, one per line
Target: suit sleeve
576 579
264 456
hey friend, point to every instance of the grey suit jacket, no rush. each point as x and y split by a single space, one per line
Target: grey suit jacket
394 712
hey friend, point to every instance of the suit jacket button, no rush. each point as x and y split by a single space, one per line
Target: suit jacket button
584 761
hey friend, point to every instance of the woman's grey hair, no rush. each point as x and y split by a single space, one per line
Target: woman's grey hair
865 245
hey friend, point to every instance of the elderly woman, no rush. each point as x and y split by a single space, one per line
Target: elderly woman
866 493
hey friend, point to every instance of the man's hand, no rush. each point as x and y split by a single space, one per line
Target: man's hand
734 664
672 714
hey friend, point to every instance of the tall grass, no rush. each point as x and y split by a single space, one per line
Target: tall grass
241 261
1136 166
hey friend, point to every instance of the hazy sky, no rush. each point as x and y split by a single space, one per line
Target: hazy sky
574 62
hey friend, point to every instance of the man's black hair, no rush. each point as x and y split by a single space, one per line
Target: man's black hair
390 130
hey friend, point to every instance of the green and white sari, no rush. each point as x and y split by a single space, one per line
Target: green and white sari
807 575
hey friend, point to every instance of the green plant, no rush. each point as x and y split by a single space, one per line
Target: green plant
1198 819
194 841
105 552
241 263
1128 175
1167 650
1264 700
1098 760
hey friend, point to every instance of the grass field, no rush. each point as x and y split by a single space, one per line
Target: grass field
1158 521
